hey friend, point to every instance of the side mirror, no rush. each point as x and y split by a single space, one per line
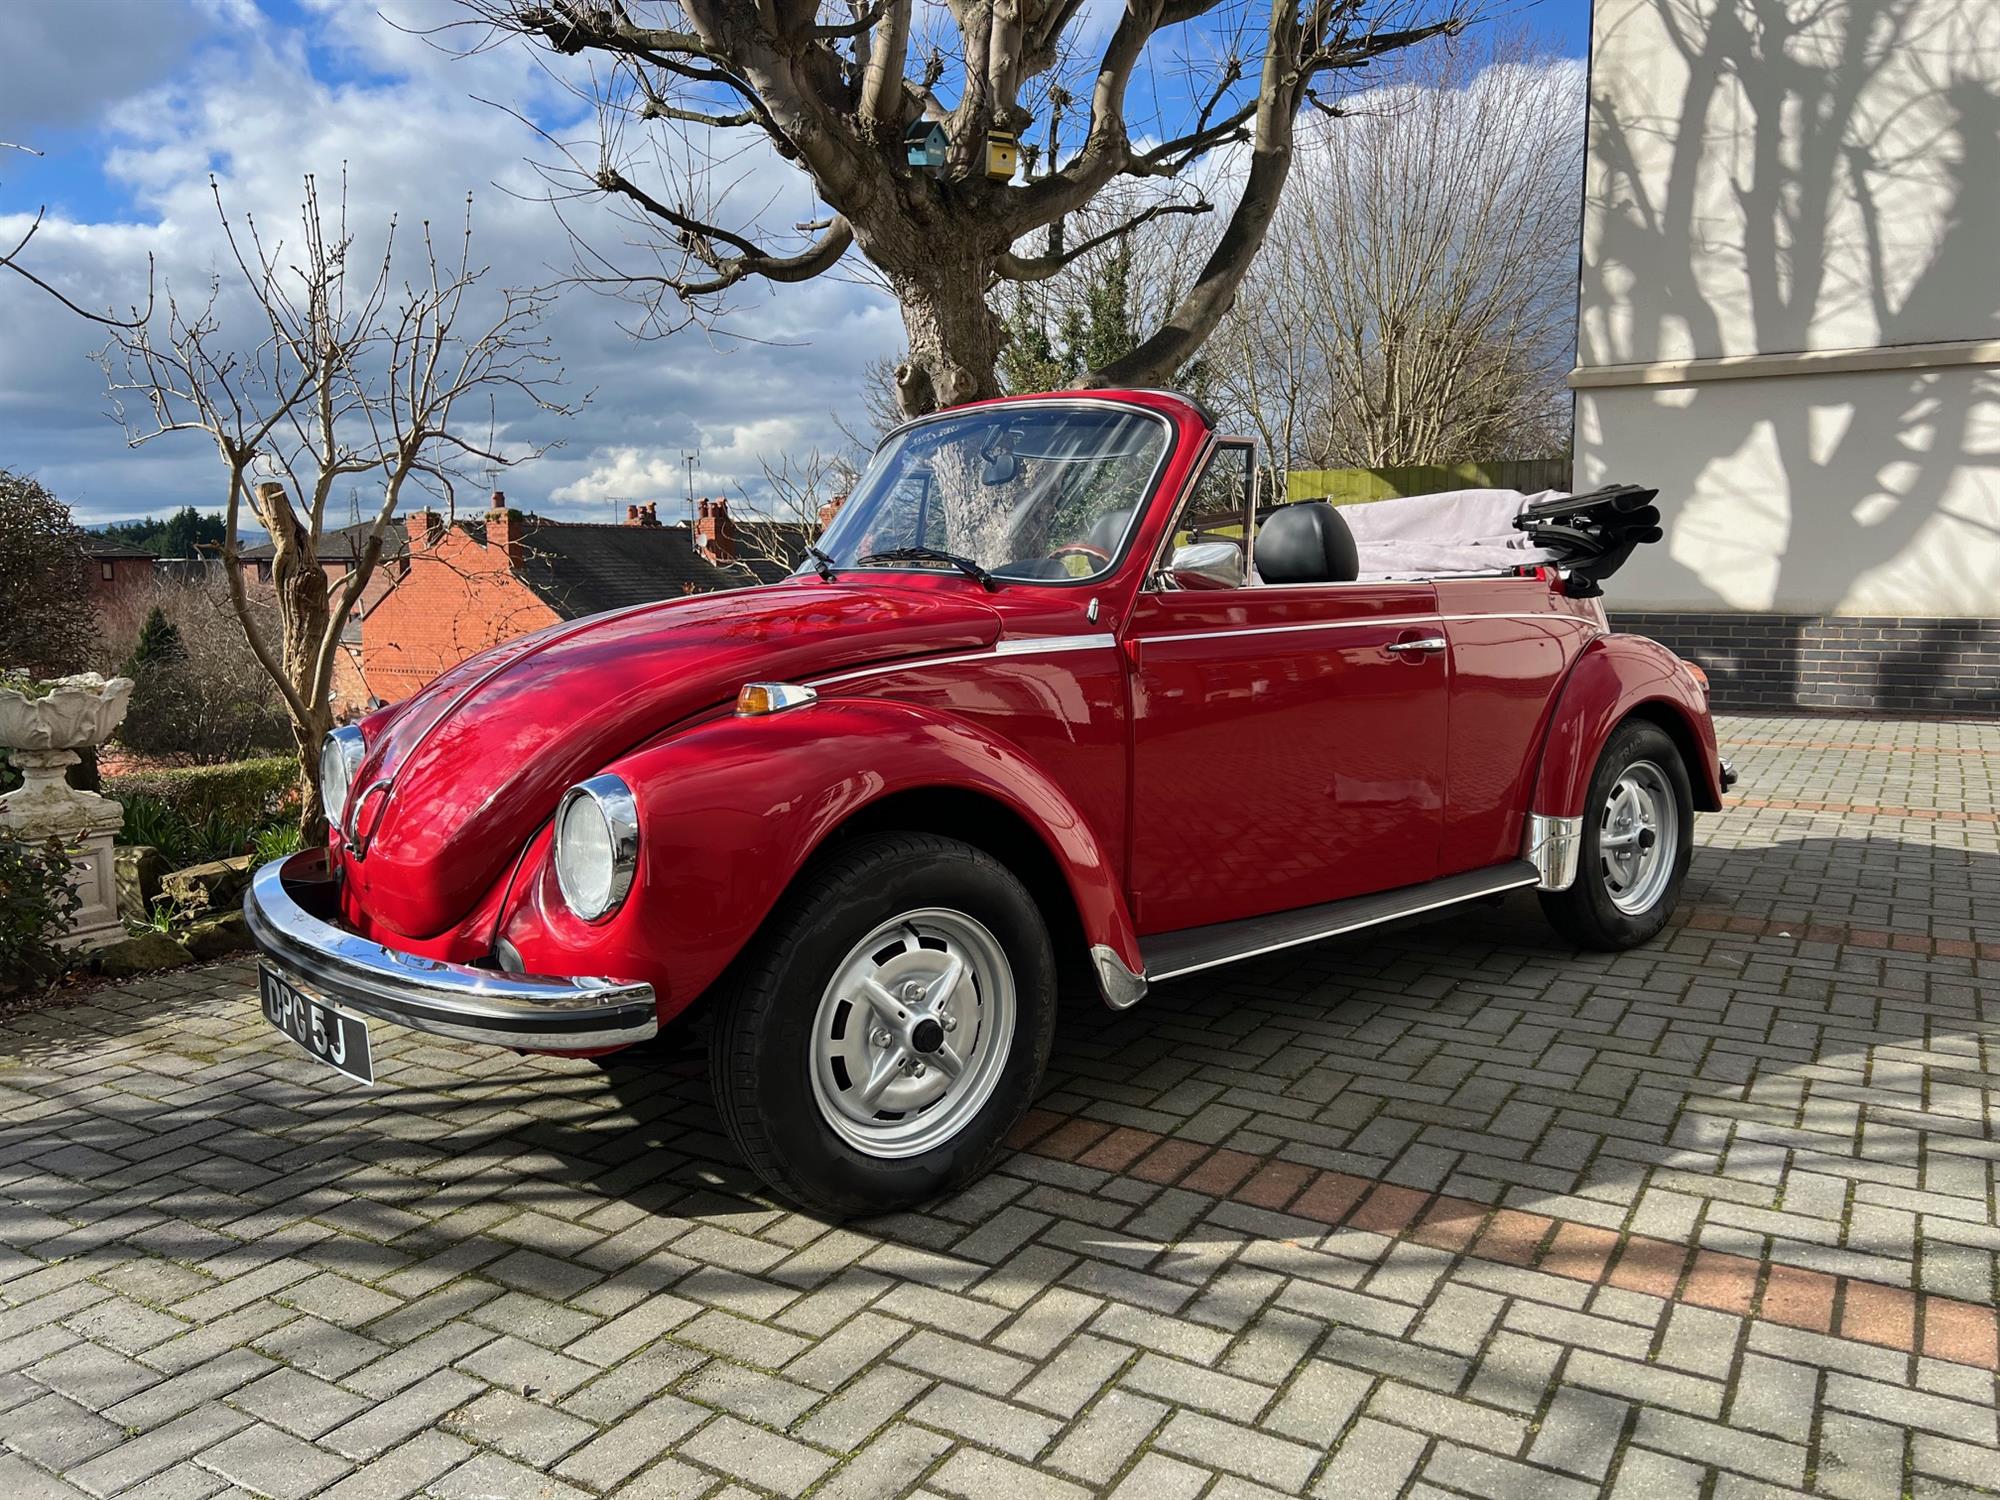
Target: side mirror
1207 565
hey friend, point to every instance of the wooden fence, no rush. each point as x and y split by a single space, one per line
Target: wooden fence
1351 486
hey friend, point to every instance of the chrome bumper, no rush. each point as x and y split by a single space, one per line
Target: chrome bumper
455 1000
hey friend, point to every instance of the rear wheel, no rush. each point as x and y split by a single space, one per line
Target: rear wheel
890 1028
1638 836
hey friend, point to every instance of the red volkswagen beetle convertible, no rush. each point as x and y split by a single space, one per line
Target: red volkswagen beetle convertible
1059 689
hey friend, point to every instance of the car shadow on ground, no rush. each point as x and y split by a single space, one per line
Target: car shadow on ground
1343 1054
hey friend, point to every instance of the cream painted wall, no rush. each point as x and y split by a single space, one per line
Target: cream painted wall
1797 175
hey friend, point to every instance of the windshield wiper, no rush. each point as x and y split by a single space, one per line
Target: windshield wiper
822 564
964 565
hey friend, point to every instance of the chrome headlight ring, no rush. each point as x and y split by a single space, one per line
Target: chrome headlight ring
596 847
340 757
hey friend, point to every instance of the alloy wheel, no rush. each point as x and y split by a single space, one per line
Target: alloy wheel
912 1033
1638 837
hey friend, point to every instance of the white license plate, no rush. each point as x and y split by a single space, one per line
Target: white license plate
334 1037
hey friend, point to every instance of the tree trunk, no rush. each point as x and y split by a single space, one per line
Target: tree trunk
954 337
312 811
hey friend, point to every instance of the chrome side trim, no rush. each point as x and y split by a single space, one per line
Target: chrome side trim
1022 645
1545 617
1370 912
426 994
1121 988
1553 845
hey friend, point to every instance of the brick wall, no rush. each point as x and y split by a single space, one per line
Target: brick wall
1899 664
458 598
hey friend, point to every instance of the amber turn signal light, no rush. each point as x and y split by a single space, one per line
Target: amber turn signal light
770 697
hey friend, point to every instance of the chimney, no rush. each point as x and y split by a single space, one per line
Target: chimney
425 527
714 532
829 510
631 515
505 529
642 515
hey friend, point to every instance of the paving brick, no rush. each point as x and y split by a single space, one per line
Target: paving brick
1011 1428
523 1429
1278 1462
383 1426
1374 1458
973 1475
273 1462
1878 1314
760 1458
863 1407
889 1465
1799 1298
613 1454
1097 1447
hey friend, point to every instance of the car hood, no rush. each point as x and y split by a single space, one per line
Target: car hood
461 775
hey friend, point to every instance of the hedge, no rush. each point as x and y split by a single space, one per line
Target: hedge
244 791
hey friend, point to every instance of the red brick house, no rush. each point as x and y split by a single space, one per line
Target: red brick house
116 569
472 584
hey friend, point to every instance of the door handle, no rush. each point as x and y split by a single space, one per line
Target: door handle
1422 646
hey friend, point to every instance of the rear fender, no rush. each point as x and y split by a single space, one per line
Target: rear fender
730 811
1616 677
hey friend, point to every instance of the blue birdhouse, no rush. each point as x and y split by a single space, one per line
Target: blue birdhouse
925 143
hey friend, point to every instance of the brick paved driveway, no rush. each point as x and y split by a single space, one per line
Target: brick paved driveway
1444 1211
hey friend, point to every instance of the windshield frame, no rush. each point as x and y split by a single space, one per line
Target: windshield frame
1140 510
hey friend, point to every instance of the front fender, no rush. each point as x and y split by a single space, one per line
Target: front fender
731 809
1614 677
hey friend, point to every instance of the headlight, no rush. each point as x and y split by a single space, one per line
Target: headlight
340 756
597 845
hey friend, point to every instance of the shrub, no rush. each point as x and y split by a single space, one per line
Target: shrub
246 792
36 904
47 622
185 841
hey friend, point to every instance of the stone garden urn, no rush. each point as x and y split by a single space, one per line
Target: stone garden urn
40 732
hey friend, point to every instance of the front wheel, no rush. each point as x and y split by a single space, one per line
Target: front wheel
890 1027
1638 836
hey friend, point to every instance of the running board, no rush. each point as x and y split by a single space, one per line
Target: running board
1168 955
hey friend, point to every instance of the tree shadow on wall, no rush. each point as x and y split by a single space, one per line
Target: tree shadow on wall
1825 176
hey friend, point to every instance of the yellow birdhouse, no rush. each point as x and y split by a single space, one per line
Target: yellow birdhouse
1003 154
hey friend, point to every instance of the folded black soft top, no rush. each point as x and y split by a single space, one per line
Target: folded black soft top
1592 534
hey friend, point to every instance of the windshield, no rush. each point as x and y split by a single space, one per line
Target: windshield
1022 492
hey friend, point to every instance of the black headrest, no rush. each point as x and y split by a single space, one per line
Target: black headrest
1108 530
1306 543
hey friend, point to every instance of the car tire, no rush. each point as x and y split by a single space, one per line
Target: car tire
1626 884
844 991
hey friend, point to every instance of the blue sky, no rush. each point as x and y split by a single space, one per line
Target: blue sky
132 103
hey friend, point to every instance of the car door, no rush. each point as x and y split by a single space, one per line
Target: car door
1289 741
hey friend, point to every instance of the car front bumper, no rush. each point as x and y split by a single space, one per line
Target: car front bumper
291 905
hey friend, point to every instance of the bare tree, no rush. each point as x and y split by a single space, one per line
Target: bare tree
337 379
1416 302
798 490
832 86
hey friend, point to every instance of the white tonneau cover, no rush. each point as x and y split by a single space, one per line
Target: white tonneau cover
1453 534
